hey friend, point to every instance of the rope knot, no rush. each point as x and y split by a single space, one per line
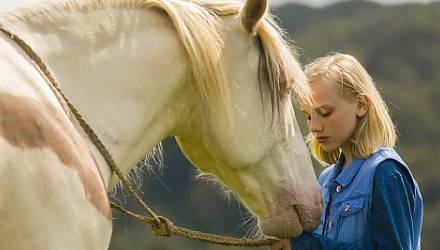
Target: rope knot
164 228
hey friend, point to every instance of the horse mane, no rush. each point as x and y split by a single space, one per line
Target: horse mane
279 72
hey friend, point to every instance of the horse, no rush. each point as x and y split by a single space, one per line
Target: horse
218 76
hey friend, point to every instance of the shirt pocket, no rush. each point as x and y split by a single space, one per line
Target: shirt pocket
352 220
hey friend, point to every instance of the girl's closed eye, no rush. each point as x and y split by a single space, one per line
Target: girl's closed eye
325 113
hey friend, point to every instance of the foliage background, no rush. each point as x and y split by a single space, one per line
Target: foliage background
399 46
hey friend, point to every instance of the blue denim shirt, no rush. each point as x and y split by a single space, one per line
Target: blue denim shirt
374 203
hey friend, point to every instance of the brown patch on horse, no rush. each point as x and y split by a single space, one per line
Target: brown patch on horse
30 124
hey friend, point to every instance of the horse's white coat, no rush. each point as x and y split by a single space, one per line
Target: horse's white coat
126 72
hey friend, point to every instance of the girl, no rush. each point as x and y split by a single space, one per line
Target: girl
371 200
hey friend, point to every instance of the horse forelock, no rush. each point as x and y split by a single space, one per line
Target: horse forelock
280 73
279 70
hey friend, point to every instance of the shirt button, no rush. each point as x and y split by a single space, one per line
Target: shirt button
338 188
347 207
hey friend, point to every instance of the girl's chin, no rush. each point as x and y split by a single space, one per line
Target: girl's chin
329 148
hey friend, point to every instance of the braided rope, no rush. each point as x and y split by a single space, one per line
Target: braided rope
196 235
161 226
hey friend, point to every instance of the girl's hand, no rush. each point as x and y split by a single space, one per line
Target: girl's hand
283 244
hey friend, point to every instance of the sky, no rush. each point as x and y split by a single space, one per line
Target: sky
7 4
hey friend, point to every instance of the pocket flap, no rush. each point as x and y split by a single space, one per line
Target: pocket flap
350 207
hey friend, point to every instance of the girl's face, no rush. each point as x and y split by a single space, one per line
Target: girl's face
333 118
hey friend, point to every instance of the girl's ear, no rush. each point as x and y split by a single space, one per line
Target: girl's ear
363 104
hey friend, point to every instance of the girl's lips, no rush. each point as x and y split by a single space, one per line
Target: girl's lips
322 139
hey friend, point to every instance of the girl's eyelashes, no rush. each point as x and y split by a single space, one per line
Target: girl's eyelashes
325 114
320 112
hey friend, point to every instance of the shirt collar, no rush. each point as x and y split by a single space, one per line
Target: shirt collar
345 178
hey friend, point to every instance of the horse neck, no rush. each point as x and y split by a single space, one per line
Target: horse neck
122 69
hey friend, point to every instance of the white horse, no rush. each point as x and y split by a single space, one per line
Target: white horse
217 76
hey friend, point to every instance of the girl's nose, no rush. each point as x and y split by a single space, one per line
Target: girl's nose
315 124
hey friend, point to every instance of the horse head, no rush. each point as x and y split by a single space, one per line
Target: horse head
257 150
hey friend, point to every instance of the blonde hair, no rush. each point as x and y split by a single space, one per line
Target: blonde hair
375 129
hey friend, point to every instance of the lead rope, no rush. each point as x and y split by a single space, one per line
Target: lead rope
160 226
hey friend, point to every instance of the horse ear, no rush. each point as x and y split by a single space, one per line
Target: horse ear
251 14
